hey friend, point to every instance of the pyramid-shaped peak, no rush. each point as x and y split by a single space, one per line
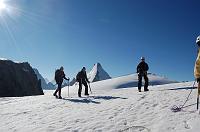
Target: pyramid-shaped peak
98 65
98 73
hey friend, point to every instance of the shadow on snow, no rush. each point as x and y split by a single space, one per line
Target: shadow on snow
127 85
106 97
91 99
182 88
82 100
135 84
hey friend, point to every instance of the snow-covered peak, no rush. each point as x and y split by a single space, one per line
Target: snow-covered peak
44 82
98 73
4 59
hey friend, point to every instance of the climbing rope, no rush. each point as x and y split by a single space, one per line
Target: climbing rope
176 108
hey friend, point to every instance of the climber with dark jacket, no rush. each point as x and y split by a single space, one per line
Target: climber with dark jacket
81 77
59 76
142 69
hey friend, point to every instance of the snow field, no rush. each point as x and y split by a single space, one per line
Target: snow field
106 110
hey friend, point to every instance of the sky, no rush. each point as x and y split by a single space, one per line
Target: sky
76 33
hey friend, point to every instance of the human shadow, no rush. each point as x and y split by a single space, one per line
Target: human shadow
107 97
81 100
182 88
92 99
127 85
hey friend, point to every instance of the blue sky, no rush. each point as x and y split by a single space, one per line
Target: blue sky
75 33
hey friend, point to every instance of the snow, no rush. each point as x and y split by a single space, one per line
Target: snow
46 80
4 59
131 80
109 109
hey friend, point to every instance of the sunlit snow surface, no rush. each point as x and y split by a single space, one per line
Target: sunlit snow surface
108 109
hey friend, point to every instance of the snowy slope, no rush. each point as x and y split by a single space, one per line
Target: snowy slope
98 73
131 80
107 110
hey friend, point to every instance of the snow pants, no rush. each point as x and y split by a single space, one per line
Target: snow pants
80 87
58 90
146 84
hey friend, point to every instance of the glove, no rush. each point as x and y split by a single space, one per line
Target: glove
198 80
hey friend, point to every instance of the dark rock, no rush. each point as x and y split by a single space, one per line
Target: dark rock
18 79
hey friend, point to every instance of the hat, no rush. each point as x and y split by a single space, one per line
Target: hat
142 58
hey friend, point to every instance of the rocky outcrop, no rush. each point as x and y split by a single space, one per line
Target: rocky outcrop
18 79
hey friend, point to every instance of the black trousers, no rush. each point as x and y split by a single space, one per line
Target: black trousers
58 89
146 84
80 87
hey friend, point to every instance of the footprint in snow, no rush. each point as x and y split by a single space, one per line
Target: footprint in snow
141 98
136 129
186 125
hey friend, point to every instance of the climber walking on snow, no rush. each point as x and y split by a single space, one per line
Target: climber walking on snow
142 69
59 76
81 77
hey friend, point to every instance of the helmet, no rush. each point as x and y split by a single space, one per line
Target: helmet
84 68
142 58
61 68
198 40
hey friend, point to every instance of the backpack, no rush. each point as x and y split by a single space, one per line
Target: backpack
78 77
57 75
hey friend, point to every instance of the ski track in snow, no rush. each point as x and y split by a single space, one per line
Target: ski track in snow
104 111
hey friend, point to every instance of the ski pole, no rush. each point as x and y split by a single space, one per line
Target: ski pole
68 88
197 101
198 89
90 88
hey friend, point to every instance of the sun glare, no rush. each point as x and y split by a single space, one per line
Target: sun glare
3 6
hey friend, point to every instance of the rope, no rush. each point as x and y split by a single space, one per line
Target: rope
176 108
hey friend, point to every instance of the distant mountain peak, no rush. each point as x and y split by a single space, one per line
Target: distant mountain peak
98 73
98 65
44 82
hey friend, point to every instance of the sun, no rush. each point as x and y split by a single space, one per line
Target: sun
3 6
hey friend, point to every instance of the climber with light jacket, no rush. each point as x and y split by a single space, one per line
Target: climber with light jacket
197 65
